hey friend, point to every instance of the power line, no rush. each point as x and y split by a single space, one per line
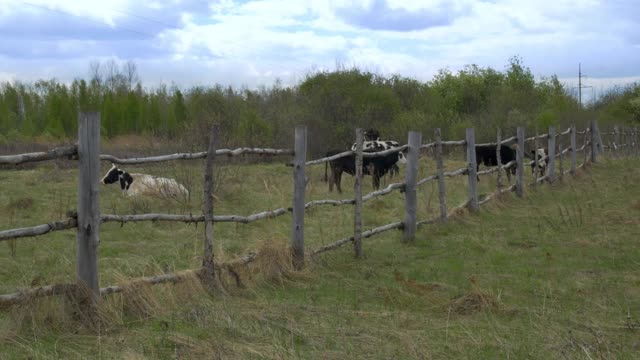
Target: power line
580 87
89 19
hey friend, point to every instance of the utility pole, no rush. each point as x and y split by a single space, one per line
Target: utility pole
580 87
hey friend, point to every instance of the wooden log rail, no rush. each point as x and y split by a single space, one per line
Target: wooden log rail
566 132
502 142
533 138
104 218
366 234
444 143
197 155
459 172
59 289
427 179
38 229
496 193
194 219
60 152
369 196
496 169
350 152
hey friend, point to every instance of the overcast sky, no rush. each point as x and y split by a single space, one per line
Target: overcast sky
252 43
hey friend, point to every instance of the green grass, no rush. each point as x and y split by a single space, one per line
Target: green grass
554 275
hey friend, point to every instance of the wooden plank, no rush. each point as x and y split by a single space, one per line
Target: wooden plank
410 194
499 158
357 188
88 234
572 138
207 207
520 162
442 191
65 151
551 155
297 237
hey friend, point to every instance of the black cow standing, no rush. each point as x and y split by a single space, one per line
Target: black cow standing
486 154
376 166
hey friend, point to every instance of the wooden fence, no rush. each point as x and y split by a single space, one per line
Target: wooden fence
89 218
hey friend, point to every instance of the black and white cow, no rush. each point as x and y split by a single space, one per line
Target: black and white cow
542 161
486 154
376 166
381 145
143 184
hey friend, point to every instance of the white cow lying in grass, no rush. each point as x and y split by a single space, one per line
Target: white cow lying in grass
135 184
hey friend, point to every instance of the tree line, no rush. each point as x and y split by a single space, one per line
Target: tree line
331 103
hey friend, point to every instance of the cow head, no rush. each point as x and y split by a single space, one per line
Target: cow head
371 135
115 174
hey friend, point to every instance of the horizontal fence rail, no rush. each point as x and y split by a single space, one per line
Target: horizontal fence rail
445 143
56 153
194 156
38 229
502 142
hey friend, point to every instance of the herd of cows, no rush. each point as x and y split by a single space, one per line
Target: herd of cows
377 166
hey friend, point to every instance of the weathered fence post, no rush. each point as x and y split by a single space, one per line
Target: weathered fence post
357 187
573 150
551 153
88 233
635 142
499 158
472 170
442 192
594 141
207 260
560 165
536 160
520 162
585 141
616 139
410 208
297 237
629 141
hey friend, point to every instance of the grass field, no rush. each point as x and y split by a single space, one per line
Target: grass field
554 275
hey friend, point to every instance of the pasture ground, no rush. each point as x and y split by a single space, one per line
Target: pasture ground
554 275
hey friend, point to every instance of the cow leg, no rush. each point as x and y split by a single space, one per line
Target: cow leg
338 181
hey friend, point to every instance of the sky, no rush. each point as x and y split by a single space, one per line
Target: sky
255 43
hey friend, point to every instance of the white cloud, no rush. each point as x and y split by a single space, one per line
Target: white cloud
255 42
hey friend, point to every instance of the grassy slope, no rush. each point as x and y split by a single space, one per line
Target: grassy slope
551 276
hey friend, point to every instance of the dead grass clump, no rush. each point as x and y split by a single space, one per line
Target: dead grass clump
139 301
473 302
273 263
64 311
